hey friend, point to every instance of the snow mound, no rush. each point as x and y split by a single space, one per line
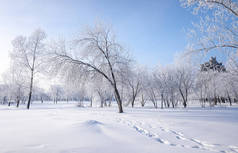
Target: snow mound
92 123
90 126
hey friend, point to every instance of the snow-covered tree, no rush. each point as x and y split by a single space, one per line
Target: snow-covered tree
218 26
15 84
27 53
56 92
102 90
144 82
133 83
95 52
150 89
185 81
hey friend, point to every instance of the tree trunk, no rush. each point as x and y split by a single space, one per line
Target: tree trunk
91 102
168 104
133 101
105 103
134 93
142 101
184 99
18 102
30 93
4 100
118 99
110 102
29 100
172 103
162 100
229 99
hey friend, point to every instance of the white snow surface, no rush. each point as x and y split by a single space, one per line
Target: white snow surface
65 128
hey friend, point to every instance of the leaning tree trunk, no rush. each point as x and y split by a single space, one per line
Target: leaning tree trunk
113 83
184 99
30 92
133 101
118 99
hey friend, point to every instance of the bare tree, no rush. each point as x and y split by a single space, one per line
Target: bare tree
133 83
169 83
185 82
101 88
90 92
96 52
56 92
151 89
160 81
27 53
143 94
40 94
15 82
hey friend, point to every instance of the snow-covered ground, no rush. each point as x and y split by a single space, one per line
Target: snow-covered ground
65 128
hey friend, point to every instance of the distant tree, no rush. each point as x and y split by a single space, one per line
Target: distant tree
160 81
15 84
185 81
133 83
90 92
27 53
232 78
173 83
40 94
102 90
151 89
56 92
143 93
68 92
168 81
80 91
3 93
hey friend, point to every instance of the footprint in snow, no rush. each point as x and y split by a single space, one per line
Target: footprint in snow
234 148
180 138
199 144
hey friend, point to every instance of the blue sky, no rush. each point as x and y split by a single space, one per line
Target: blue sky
153 30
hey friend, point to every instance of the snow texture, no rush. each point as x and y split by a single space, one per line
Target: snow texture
69 129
